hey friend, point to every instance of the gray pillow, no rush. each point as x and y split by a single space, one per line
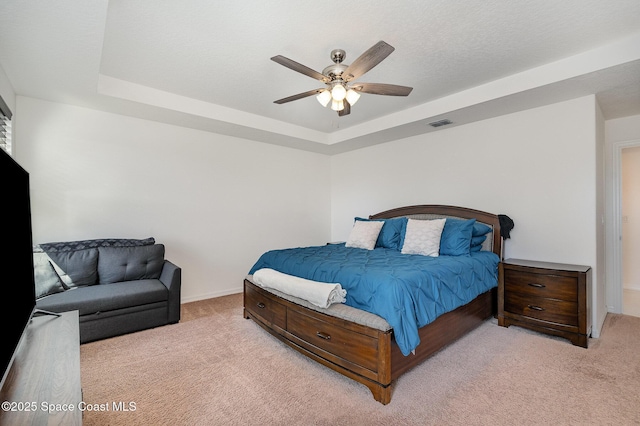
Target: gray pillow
76 268
117 264
46 280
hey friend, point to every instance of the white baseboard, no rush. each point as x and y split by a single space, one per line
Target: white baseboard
597 327
211 295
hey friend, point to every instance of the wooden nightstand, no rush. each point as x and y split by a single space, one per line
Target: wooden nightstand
551 298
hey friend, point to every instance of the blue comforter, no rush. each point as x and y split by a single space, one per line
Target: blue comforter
408 291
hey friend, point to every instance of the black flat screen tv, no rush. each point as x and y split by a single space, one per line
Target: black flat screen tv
17 301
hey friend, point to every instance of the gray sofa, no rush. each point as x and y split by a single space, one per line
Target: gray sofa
118 285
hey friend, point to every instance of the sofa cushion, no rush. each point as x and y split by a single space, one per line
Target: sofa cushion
116 264
103 298
76 268
46 279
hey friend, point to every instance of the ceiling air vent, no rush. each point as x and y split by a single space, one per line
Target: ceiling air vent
440 123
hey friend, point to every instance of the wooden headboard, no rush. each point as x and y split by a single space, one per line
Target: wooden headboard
434 211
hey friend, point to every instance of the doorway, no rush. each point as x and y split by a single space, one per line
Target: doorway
630 229
614 241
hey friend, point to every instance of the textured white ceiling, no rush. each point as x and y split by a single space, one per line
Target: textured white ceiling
206 64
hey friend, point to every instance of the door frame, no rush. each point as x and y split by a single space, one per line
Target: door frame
614 237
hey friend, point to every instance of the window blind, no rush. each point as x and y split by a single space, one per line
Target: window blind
5 134
5 126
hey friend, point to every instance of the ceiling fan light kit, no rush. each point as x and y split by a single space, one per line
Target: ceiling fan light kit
324 98
339 92
337 96
352 96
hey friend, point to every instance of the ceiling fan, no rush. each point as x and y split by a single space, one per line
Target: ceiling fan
341 91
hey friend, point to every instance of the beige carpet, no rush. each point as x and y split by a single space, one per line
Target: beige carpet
216 368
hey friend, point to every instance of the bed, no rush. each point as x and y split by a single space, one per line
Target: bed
365 339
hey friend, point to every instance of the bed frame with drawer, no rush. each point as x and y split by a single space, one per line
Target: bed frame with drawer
359 344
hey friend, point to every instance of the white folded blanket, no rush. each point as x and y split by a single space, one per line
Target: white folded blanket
318 293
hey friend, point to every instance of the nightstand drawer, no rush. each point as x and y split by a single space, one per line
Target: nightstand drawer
266 309
552 310
541 285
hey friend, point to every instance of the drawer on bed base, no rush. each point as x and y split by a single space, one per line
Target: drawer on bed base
265 308
351 346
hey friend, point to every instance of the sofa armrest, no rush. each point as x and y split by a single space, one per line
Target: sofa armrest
171 277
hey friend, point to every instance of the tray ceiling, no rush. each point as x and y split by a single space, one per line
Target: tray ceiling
206 65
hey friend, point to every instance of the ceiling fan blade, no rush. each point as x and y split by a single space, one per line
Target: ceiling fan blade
291 64
298 96
382 89
367 60
346 110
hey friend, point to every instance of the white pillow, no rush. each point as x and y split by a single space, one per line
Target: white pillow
423 237
364 234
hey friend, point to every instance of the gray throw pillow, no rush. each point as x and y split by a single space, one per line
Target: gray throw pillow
89 244
46 279
76 268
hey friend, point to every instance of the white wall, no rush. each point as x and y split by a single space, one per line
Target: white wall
623 129
631 217
216 202
538 166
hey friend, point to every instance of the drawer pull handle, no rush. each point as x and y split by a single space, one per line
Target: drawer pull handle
261 305
535 308
322 335
536 285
